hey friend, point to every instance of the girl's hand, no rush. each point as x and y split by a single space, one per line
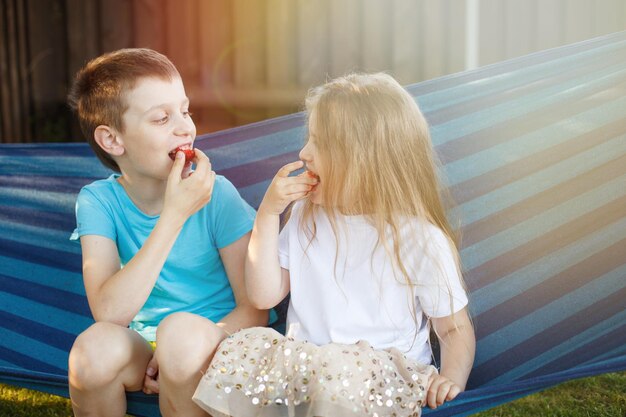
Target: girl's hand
185 196
441 389
285 189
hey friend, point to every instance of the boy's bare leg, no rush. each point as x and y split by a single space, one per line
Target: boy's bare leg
106 361
185 346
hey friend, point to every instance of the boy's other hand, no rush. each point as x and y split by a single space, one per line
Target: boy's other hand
151 379
185 196
285 189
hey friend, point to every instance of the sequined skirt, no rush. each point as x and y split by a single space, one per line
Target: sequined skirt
260 372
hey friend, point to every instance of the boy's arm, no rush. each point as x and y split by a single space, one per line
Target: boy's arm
244 314
116 295
458 344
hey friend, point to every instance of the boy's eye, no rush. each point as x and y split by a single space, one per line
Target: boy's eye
187 113
162 120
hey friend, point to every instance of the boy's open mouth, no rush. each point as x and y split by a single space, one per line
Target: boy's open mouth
186 149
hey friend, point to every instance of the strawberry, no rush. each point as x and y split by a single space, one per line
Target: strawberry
189 154
312 175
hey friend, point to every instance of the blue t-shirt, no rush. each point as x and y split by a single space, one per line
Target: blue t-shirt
193 278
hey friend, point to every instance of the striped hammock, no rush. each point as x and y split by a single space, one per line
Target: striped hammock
534 150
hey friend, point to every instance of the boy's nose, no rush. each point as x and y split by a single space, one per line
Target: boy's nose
185 126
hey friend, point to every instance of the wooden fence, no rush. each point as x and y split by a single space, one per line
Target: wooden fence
247 60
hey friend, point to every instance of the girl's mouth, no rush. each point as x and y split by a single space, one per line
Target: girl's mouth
312 174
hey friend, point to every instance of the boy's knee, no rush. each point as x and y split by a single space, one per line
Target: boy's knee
185 344
94 359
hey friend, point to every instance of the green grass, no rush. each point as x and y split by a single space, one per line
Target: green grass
20 402
600 396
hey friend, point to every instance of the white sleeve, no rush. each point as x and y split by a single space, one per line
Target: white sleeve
439 288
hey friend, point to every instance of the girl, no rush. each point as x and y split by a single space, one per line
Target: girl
370 261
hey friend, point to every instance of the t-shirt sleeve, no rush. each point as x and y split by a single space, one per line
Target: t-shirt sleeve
93 217
233 216
439 286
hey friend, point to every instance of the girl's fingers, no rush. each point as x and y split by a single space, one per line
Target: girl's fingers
454 391
442 392
289 168
432 393
297 188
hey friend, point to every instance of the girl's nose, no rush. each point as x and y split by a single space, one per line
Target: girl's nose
304 154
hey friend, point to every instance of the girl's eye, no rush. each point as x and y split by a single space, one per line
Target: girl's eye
162 120
187 113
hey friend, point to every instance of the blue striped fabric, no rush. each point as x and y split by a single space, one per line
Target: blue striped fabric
534 150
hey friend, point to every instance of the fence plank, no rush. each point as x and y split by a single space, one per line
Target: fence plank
549 24
313 48
520 29
116 25
216 67
345 40
150 29
455 38
434 39
24 87
376 49
250 52
281 43
5 95
182 37
609 16
491 33
83 33
407 43
578 18
281 50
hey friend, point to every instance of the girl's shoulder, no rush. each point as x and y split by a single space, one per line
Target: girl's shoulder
421 232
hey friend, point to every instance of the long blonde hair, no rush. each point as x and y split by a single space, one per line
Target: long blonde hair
379 158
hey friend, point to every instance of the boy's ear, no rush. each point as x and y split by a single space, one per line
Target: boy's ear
108 140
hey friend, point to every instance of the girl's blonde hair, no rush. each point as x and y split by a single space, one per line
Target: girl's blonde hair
376 151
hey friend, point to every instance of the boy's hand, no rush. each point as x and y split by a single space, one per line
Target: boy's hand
185 196
285 189
151 379
441 389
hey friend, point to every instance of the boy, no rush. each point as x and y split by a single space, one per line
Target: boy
158 243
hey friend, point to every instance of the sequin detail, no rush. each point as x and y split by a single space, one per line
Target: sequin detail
260 368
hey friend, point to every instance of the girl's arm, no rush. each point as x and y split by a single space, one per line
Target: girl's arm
458 344
244 314
266 282
117 294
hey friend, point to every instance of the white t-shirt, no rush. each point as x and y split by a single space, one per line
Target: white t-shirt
355 295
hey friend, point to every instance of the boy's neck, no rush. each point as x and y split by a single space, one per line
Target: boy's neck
147 194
